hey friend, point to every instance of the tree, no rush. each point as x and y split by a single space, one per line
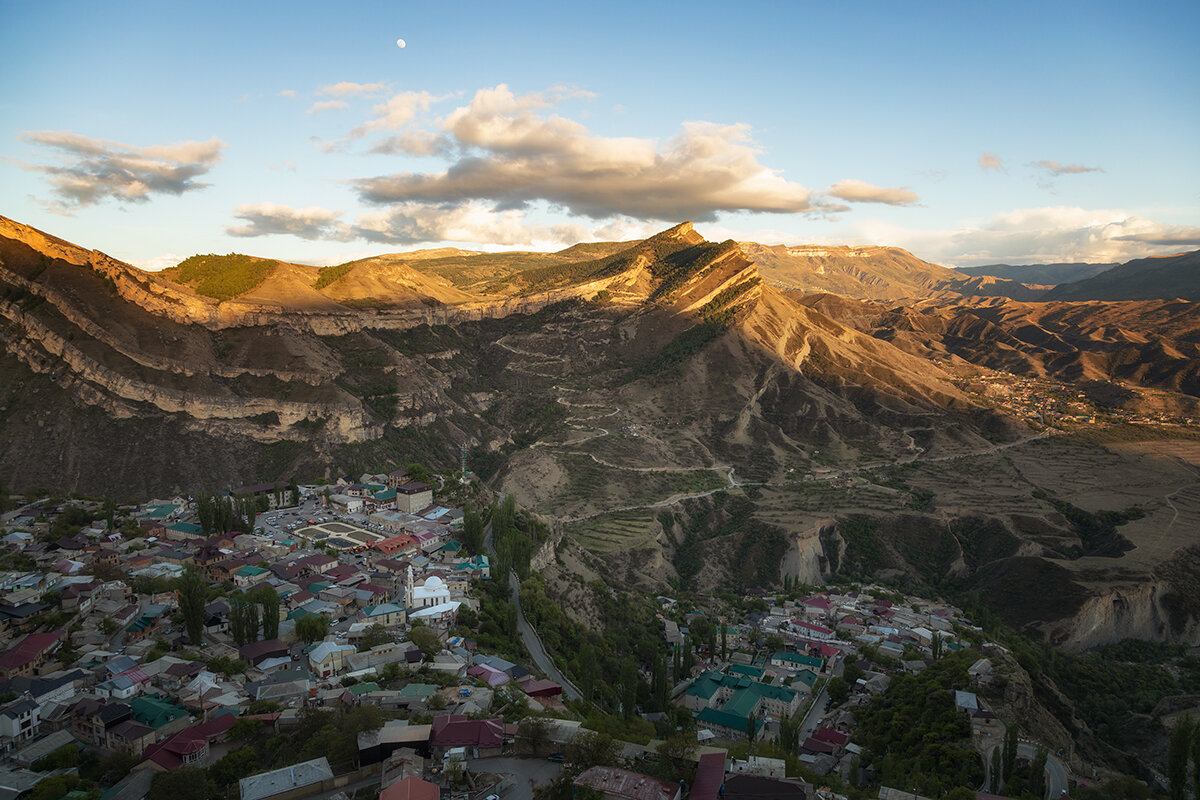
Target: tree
312 627
473 530
936 645
424 638
234 766
535 731
629 688
1178 751
375 636
266 596
183 783
192 593
1037 774
588 749
838 690
996 778
724 643
1010 750
774 643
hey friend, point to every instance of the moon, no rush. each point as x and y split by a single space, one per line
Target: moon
401 43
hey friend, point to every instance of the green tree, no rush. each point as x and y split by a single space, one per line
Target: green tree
996 776
473 530
629 688
1037 774
424 638
374 636
193 591
59 786
588 749
234 766
266 597
1010 750
312 627
535 731
184 783
1178 750
838 690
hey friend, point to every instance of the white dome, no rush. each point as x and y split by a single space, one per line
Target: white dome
433 583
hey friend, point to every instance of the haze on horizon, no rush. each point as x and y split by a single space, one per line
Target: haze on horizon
966 134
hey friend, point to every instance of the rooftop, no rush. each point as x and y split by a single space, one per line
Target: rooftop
306 773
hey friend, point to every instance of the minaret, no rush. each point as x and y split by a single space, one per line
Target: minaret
408 588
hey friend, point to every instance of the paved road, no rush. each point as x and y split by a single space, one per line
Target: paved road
533 642
1056 773
524 773
812 720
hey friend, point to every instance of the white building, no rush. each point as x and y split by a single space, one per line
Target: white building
432 592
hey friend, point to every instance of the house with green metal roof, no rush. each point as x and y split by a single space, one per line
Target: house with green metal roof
250 575
791 660
451 547
805 678
749 671
418 691
359 689
727 726
186 528
154 711
738 699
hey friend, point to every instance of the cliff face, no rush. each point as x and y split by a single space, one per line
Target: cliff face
1149 611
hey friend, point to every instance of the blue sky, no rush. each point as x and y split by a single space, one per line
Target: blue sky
968 133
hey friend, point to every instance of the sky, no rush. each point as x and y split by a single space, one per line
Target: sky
969 133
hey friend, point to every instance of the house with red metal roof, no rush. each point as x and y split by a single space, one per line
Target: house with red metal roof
481 737
190 746
29 656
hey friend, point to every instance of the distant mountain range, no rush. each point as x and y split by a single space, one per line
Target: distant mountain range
1040 274
1156 278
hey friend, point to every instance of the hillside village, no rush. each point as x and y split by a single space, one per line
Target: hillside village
368 597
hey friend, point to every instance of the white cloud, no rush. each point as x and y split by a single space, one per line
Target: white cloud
990 161
416 223
265 219
1056 169
396 113
327 105
514 152
863 192
351 89
288 93
158 263
90 170
1036 235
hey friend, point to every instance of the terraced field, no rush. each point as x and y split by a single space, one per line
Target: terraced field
616 533
594 487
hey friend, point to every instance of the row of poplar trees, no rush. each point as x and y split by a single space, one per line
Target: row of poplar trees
250 613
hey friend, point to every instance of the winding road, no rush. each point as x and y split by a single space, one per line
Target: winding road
529 636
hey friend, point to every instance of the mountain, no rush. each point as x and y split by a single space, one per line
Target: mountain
1155 278
872 273
1039 274
681 421
252 357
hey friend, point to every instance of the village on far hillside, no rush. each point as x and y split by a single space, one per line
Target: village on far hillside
287 641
